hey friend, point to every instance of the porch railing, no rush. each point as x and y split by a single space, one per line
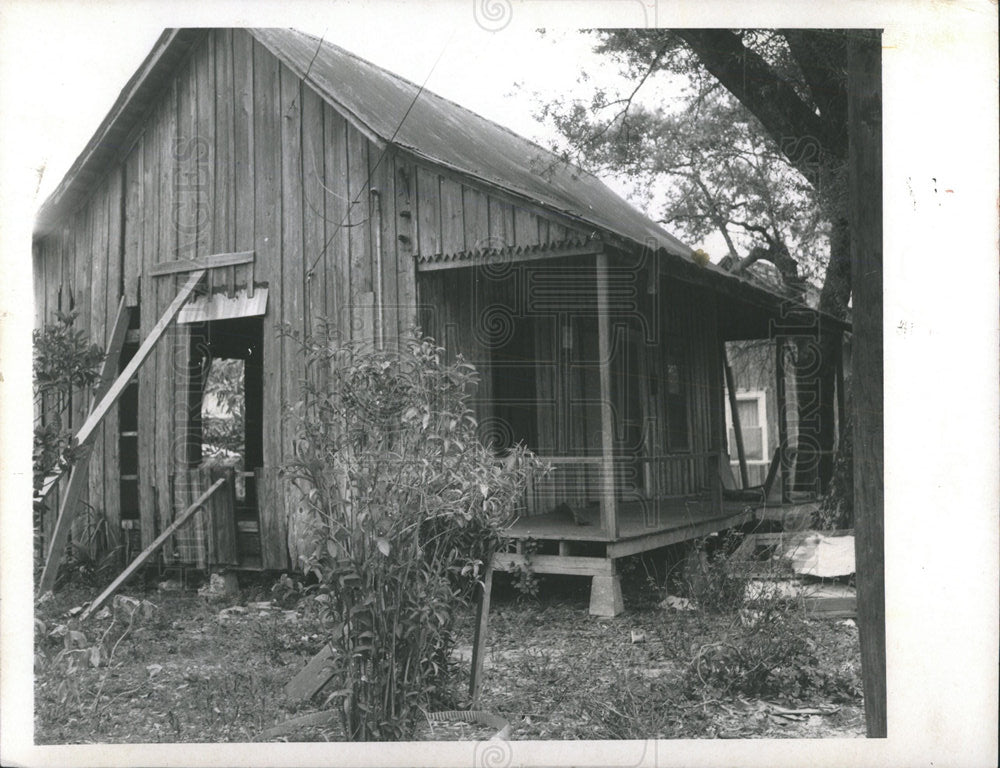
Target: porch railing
577 480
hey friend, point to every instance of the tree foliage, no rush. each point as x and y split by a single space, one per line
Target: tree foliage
65 364
754 148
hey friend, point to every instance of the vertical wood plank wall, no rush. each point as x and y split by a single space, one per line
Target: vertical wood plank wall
236 154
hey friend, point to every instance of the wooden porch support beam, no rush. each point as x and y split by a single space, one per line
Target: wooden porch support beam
839 373
481 631
737 428
78 473
609 508
148 551
779 374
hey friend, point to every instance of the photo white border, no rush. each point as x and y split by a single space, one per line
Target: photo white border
941 383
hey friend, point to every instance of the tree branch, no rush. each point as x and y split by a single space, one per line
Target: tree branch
803 137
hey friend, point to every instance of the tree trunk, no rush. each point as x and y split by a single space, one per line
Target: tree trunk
816 370
865 195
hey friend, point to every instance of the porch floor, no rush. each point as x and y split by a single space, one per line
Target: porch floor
636 519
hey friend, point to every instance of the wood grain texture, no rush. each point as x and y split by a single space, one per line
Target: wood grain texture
359 234
314 215
338 249
291 254
428 212
267 231
243 153
406 276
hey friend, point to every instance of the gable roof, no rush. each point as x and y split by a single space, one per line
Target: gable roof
394 111
443 132
388 109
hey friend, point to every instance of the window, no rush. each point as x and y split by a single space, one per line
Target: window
751 407
676 396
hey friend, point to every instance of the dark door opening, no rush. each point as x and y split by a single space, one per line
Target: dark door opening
226 415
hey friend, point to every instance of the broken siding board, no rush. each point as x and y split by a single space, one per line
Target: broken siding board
338 250
267 235
313 209
243 152
292 260
359 234
406 288
452 225
428 213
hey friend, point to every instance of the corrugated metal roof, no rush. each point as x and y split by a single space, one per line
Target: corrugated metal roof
451 135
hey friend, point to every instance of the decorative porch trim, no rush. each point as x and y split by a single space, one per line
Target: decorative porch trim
498 257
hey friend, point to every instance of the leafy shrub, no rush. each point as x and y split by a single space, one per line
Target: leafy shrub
64 363
408 505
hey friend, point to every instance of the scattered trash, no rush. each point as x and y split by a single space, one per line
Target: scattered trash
148 609
265 605
638 636
74 611
215 589
154 669
229 613
820 554
848 623
58 631
677 603
104 613
170 585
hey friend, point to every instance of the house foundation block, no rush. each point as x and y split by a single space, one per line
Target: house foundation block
606 596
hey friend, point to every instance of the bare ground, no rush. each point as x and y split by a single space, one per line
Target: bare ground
180 668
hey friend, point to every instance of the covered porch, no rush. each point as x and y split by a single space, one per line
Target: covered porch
610 369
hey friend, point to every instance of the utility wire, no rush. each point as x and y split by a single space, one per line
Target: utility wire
365 187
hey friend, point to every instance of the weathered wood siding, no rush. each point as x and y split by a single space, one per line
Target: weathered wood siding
237 154
474 310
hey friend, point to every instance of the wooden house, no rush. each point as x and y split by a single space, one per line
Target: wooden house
261 176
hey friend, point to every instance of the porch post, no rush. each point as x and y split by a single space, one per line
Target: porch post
741 453
609 509
783 454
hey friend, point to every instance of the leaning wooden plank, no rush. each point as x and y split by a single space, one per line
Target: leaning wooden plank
202 262
114 392
78 474
312 720
312 676
145 554
479 641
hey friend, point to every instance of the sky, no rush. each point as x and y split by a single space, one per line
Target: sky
499 75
